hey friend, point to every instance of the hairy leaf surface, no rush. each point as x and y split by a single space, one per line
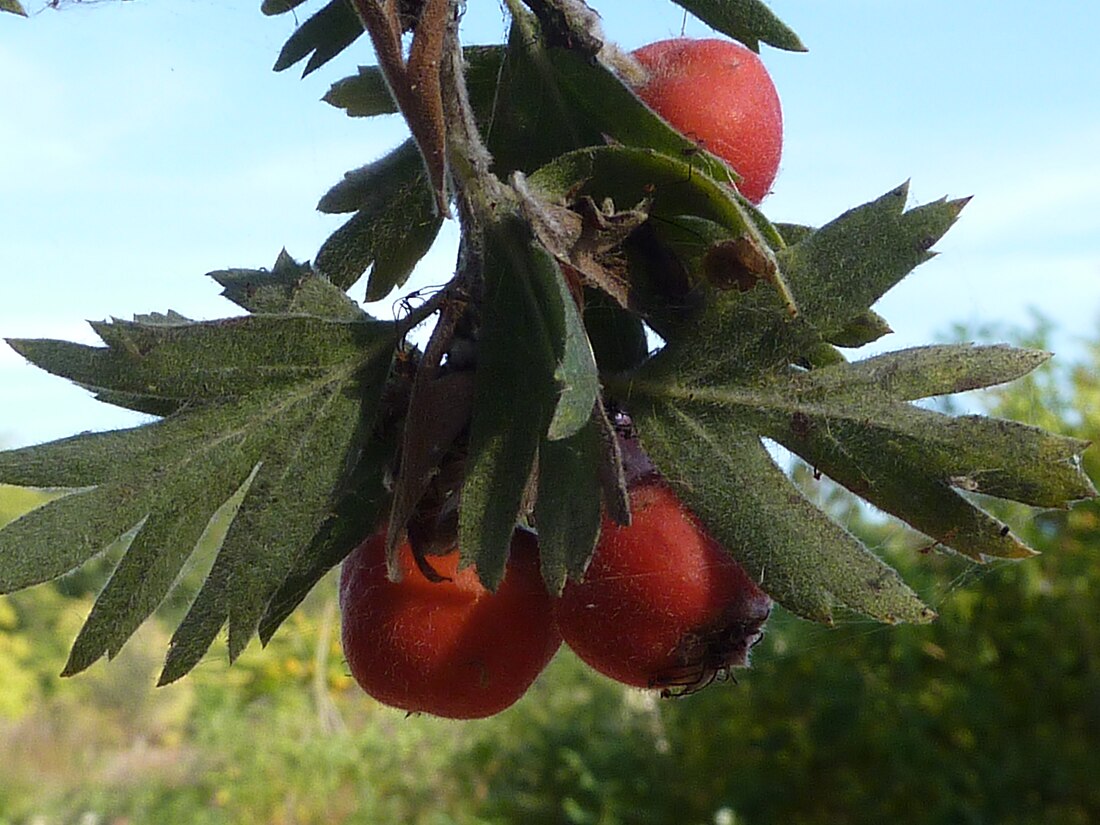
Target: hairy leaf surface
272 412
393 227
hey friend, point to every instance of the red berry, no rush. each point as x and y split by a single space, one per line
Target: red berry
661 605
719 93
450 648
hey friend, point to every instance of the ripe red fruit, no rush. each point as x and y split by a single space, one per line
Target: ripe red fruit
719 93
661 605
450 648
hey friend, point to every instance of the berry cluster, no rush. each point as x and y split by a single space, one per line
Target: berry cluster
661 606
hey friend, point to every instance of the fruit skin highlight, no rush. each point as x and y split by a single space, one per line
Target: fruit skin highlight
718 93
661 605
450 648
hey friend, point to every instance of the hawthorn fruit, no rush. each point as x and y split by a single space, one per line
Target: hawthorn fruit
661 605
718 93
443 644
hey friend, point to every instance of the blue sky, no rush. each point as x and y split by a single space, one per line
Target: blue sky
143 144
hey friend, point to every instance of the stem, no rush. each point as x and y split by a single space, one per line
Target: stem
415 84
479 192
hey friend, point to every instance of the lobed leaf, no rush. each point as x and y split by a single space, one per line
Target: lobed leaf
153 562
834 275
304 475
289 288
903 459
839 271
357 514
365 94
393 227
798 555
872 448
853 422
163 367
276 459
323 36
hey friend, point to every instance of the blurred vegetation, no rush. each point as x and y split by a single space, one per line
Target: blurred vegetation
991 715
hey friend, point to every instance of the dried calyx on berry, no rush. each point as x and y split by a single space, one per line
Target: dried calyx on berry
662 604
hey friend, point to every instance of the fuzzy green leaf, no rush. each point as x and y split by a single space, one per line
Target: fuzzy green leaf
365 94
154 367
834 275
13 7
567 511
30 552
840 270
749 21
355 517
522 341
861 329
705 400
285 449
393 227
367 187
78 461
903 459
321 37
153 562
801 557
291 500
576 374
289 288
922 372
851 422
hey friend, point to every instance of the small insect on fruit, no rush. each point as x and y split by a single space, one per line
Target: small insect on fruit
718 94
450 647
662 605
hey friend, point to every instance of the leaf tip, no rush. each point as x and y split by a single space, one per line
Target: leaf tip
958 204
78 662
17 344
